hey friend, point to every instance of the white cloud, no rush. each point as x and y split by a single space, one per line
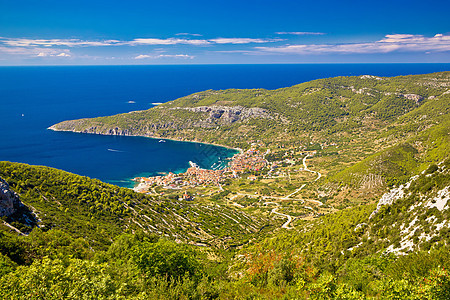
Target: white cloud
242 40
22 42
176 56
186 33
234 51
170 41
33 52
185 56
19 42
390 43
63 54
199 42
300 33
142 56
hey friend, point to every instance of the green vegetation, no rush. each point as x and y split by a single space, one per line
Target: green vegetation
366 136
325 107
339 255
97 212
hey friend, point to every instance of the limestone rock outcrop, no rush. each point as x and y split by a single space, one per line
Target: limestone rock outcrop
230 114
9 200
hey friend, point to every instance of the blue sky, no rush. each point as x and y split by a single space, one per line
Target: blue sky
215 32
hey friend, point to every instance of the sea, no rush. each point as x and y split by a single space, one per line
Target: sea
34 98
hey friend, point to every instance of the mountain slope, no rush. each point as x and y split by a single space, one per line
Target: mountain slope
98 212
396 248
383 139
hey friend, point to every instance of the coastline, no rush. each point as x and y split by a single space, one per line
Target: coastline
227 156
150 137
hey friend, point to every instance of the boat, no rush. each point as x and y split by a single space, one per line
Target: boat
162 141
193 164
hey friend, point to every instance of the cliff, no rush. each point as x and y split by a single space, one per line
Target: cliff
16 215
9 200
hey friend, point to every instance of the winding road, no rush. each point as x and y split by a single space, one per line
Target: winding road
306 168
288 197
274 210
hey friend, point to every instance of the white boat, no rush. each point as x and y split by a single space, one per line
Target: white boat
193 164
162 141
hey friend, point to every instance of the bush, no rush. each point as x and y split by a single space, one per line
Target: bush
431 169
56 279
6 265
165 258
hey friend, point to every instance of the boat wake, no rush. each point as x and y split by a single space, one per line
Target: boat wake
114 150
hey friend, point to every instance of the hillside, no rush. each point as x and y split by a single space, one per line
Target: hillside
397 249
380 251
97 212
348 198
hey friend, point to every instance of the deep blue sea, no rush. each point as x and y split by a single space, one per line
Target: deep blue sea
34 98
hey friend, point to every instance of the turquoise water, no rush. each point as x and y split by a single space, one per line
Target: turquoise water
34 98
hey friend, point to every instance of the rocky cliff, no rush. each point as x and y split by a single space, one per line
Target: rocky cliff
168 118
9 200
416 214
17 215
229 114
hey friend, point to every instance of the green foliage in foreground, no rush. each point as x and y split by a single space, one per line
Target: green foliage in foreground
337 256
96 212
76 204
146 267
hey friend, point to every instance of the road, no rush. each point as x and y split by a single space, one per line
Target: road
289 218
296 191
306 167
288 197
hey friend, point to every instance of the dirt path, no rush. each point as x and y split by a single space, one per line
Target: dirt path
289 218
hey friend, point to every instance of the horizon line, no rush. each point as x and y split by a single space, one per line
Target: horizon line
224 64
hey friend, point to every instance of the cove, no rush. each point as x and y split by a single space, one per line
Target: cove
118 159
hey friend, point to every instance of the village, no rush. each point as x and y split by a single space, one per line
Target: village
248 161
274 182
